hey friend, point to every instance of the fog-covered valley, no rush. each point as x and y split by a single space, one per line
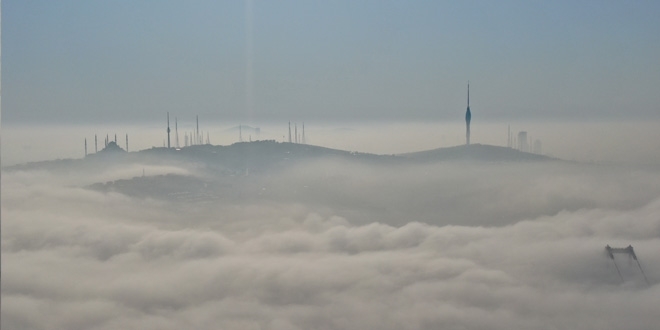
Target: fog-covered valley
295 165
326 239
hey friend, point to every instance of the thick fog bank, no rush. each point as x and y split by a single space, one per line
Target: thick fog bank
334 245
395 193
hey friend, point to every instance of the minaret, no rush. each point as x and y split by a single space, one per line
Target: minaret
85 147
295 128
468 117
96 145
240 133
126 142
303 135
197 141
168 130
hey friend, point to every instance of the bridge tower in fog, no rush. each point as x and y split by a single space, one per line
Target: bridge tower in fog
468 117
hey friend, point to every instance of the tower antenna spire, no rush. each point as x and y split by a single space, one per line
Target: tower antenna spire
468 104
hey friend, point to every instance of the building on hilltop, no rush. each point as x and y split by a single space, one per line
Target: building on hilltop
112 147
522 142
538 148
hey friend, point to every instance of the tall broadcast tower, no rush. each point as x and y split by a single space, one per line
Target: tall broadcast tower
468 117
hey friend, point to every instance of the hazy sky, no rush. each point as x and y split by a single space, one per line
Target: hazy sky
131 61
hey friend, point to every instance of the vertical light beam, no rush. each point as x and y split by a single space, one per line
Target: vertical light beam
249 57
168 130
176 132
468 117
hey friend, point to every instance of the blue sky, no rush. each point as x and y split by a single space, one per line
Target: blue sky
114 61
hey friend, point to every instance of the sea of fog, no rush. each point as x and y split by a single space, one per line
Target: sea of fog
336 244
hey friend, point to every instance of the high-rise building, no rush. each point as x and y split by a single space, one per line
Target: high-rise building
522 142
538 148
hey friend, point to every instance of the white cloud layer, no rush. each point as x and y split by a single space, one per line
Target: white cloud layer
427 247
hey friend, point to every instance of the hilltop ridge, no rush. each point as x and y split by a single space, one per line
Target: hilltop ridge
476 152
269 154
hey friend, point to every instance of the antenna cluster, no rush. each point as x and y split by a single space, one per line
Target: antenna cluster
297 138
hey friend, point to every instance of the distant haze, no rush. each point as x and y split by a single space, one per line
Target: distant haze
620 142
